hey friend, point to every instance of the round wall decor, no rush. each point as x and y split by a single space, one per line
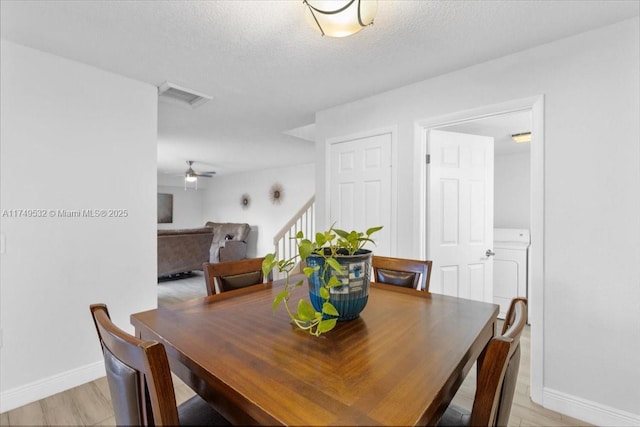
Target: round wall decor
245 201
276 193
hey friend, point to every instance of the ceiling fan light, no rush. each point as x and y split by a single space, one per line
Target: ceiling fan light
191 178
340 18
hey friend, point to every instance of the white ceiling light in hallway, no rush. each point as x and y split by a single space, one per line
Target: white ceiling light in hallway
521 137
341 18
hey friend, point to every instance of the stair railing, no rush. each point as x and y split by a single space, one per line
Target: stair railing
284 242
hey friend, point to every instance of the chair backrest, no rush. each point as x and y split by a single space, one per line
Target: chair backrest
408 273
138 374
227 276
499 370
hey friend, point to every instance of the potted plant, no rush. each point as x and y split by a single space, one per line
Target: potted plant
338 269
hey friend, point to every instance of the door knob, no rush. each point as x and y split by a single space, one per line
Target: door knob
489 253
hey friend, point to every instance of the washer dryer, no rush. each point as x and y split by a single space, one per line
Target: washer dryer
510 266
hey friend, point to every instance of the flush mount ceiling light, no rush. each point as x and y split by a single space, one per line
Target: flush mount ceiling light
341 18
522 137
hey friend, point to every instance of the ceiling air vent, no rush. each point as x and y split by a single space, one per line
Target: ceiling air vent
175 94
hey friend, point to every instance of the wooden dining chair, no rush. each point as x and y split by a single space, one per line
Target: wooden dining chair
140 381
408 273
227 276
497 376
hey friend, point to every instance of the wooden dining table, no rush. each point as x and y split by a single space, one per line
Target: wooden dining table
400 363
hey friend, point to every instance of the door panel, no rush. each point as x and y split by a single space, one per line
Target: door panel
346 208
477 224
450 279
476 281
372 193
460 214
360 187
450 211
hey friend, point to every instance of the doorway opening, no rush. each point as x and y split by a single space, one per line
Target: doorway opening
533 108
509 226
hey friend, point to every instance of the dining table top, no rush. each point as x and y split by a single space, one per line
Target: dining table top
399 363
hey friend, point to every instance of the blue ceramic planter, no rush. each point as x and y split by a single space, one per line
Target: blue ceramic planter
350 298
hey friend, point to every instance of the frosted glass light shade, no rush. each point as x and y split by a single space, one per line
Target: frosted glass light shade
340 18
191 178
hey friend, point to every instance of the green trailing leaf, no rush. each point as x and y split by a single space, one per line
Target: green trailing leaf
308 271
334 264
372 230
324 293
299 235
326 325
320 239
305 248
268 263
333 282
284 295
328 308
298 283
329 236
341 233
306 312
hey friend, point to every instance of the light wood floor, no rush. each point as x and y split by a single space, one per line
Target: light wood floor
90 404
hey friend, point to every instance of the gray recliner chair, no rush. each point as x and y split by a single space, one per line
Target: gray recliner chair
229 241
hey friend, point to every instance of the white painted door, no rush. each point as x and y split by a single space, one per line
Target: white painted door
460 214
360 187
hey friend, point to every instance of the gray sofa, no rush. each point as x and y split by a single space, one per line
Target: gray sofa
181 251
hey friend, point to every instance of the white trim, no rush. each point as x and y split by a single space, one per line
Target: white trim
588 411
537 250
393 131
536 290
420 188
46 387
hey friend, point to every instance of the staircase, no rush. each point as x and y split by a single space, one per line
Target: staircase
284 241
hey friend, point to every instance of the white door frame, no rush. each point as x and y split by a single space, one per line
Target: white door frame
393 131
536 288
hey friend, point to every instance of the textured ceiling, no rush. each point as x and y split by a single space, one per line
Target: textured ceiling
269 72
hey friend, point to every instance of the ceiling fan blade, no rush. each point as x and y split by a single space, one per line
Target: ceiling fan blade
190 173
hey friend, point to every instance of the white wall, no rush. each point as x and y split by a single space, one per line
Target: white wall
67 128
187 207
512 190
591 203
222 201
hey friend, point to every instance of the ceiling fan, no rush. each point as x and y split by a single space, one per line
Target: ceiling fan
192 176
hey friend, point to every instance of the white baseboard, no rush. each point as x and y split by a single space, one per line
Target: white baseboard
585 410
46 387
